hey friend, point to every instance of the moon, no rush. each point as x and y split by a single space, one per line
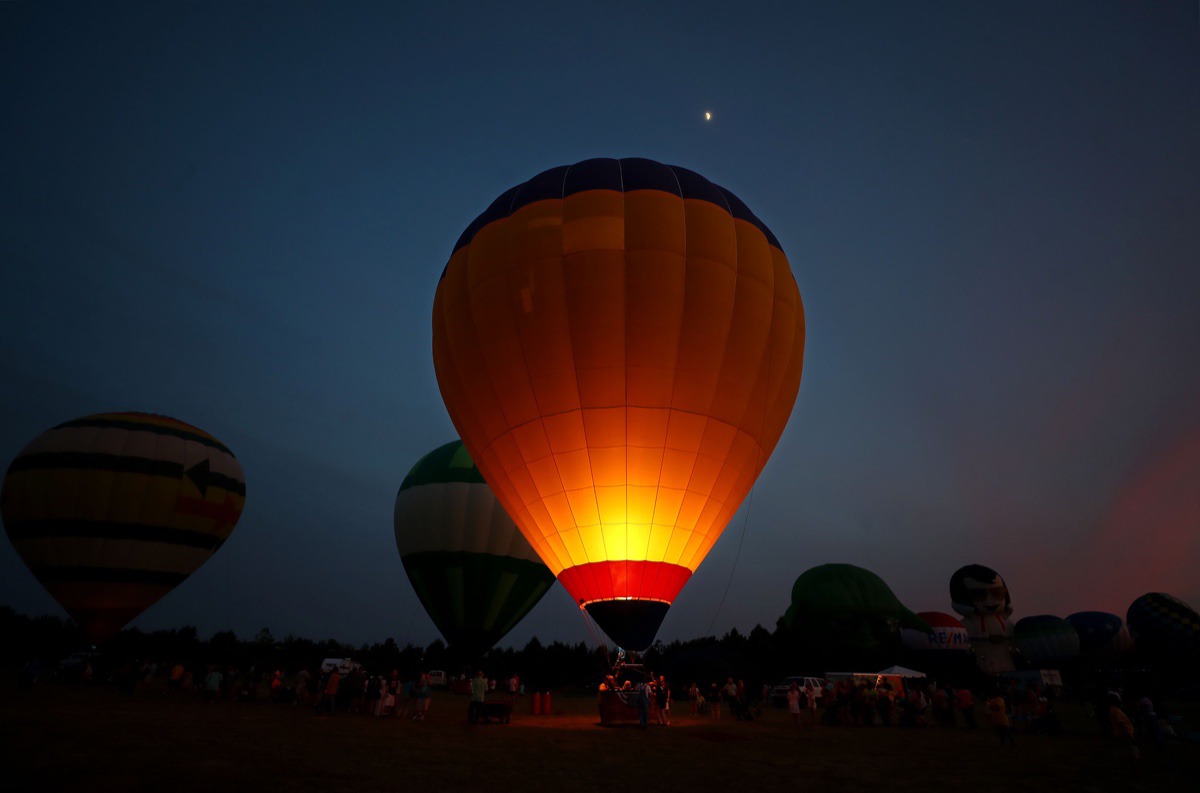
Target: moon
707 115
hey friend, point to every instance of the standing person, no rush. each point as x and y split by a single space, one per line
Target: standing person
212 683
300 687
512 688
1120 727
997 710
424 694
663 691
693 699
1151 726
374 688
479 687
714 699
941 707
409 697
966 706
355 691
811 695
793 701
391 700
330 692
730 694
644 692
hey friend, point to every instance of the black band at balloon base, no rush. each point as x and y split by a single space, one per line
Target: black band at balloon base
632 624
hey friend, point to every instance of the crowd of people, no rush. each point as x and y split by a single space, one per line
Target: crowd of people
348 689
1010 708
1007 707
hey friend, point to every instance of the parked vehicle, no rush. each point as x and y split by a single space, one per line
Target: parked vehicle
779 692
71 668
344 665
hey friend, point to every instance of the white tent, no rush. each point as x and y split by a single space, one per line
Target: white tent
900 671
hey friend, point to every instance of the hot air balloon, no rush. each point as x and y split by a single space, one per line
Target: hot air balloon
850 613
112 511
619 344
944 651
1045 640
1103 637
845 590
1164 628
474 573
946 634
979 594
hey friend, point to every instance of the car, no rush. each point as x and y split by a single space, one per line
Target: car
779 692
71 668
437 678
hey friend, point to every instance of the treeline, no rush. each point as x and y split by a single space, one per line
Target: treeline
760 657
757 657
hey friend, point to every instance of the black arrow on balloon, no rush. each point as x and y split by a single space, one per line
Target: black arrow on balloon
199 474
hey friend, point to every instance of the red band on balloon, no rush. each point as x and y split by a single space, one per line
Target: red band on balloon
623 579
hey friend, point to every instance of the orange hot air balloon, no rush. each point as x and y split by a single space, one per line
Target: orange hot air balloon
619 345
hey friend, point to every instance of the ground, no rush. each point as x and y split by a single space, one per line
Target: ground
95 739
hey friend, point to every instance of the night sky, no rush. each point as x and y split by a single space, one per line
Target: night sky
236 213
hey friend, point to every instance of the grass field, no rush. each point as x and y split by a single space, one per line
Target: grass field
57 738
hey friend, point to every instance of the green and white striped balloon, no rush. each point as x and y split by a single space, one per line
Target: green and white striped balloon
473 570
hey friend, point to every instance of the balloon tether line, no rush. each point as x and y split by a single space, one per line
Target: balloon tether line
761 463
595 635
736 557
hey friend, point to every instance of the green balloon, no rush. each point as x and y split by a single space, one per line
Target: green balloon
472 569
833 591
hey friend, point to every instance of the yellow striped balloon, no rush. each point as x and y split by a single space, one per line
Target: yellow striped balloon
112 511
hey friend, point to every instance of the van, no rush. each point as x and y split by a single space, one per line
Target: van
437 678
344 666
779 692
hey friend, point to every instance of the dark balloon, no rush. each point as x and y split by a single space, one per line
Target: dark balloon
851 608
1164 628
113 511
1103 637
1045 640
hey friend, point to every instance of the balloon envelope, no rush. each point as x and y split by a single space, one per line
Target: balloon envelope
1165 627
112 511
473 571
946 634
1046 640
619 343
844 589
1102 636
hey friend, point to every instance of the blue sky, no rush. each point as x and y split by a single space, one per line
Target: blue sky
236 213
